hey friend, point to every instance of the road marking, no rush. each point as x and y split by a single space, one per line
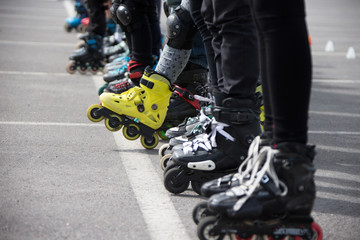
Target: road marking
154 201
63 124
337 186
338 149
339 197
334 132
337 175
350 92
340 114
160 215
43 44
34 73
335 81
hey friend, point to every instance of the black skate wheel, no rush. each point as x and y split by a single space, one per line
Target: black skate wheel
171 183
196 186
162 150
82 69
200 211
91 113
81 28
131 132
205 229
67 27
164 161
149 143
113 123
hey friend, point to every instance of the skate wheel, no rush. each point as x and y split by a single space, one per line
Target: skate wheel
200 211
161 134
101 90
67 27
71 67
196 186
162 150
205 229
81 28
113 123
149 143
94 69
131 132
91 113
82 69
318 234
171 183
80 44
164 161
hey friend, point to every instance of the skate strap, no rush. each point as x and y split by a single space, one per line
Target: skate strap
207 141
146 83
187 96
135 75
234 115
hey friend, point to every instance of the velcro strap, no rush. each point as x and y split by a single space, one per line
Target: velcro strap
187 96
135 75
233 116
147 83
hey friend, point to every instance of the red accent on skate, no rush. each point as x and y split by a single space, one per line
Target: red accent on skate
85 21
316 227
135 75
194 103
122 85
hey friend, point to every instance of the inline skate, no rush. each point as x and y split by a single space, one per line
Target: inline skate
221 149
75 22
141 110
273 201
88 58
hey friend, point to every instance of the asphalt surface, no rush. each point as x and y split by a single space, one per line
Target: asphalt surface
64 177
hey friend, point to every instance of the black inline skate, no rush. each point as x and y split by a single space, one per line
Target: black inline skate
273 201
220 150
88 58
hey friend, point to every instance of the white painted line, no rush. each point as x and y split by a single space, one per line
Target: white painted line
337 175
335 186
336 81
63 124
34 73
349 92
69 8
159 213
340 114
43 44
162 220
338 197
335 132
332 54
338 149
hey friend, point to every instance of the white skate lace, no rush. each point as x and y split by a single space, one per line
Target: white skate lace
259 168
207 141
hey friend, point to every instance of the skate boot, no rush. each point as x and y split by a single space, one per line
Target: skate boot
75 22
184 103
87 58
141 110
274 199
220 151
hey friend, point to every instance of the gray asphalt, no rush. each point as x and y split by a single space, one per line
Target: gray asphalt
63 177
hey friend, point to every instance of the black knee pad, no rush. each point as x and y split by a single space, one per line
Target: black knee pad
180 29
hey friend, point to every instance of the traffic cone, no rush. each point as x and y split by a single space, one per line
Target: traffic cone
351 53
329 47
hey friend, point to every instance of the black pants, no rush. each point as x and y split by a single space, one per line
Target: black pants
286 68
143 35
234 41
97 21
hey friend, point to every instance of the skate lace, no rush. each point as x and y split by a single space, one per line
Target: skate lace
207 141
258 169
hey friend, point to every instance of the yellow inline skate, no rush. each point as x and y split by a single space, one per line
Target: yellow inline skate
141 110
